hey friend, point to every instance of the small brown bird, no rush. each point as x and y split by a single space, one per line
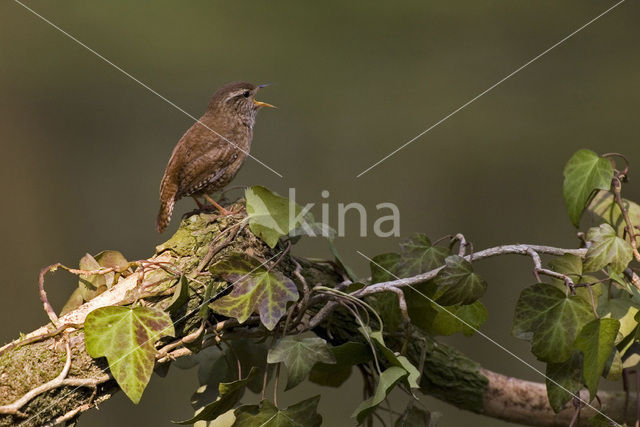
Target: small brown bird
211 152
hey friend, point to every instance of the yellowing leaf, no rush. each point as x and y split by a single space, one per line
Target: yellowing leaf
605 209
126 337
255 289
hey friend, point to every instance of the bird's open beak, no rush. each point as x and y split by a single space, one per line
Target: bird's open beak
262 104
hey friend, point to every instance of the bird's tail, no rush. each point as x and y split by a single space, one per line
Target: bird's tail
166 209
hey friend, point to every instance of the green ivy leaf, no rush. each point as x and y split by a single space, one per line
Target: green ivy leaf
551 320
605 209
126 337
598 420
302 414
180 295
566 375
395 360
460 285
474 315
384 267
571 265
299 355
255 289
596 340
421 310
340 261
420 256
229 395
584 173
613 367
413 417
623 310
216 366
607 249
270 215
388 379
346 356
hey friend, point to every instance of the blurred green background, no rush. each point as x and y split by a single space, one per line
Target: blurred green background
84 147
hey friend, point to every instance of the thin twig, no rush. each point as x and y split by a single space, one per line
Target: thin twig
518 249
20 342
616 187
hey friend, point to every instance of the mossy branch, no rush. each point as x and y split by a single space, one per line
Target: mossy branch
47 377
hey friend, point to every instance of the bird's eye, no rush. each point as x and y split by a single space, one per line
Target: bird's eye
246 94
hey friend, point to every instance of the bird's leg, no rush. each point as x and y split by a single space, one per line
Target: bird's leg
220 208
200 205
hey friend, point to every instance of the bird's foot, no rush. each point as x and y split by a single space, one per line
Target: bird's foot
221 209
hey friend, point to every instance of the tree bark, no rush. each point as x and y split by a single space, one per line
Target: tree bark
47 377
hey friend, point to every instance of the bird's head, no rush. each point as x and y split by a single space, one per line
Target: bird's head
238 99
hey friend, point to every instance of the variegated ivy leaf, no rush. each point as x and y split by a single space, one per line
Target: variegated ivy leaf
420 256
552 320
460 285
299 355
126 337
607 249
584 173
571 265
255 289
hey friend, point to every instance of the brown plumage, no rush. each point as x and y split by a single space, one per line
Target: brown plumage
211 152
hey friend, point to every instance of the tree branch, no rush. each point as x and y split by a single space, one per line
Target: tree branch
47 377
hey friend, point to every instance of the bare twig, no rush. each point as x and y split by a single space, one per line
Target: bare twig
616 187
43 294
35 338
518 249
538 269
